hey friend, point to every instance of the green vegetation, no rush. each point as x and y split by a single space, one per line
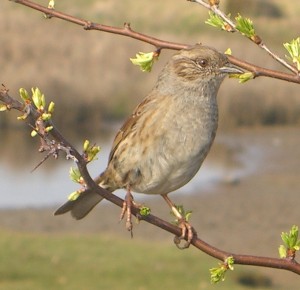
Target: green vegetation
57 261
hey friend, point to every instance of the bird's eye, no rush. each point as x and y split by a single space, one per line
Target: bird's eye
202 62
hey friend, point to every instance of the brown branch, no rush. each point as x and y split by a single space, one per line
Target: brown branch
286 264
158 43
214 7
88 25
261 71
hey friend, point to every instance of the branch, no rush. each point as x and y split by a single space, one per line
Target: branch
30 111
158 43
88 25
213 6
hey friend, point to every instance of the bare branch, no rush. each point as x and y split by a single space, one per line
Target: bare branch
287 264
158 43
88 25
261 71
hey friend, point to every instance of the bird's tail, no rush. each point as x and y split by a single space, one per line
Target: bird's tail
80 207
86 201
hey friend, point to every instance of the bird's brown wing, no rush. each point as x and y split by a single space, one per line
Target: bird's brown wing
128 126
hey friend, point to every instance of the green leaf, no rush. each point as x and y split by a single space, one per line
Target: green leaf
51 4
291 242
145 211
186 214
216 21
74 195
91 151
75 175
38 98
23 117
284 237
144 60
230 262
3 107
217 274
228 51
33 133
51 107
48 129
243 77
245 26
282 251
24 95
46 116
293 48
86 145
291 238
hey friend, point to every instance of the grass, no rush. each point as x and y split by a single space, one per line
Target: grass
56 261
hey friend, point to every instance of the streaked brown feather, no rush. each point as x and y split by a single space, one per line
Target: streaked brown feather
128 126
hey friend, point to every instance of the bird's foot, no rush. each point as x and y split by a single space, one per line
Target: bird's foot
126 209
187 234
181 219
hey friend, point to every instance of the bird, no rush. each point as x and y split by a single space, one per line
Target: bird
163 144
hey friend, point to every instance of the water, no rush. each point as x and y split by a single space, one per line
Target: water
43 187
50 187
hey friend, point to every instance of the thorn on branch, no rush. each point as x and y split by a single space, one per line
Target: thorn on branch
42 161
53 149
51 146
4 89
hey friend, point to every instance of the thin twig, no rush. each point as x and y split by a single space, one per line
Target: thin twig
158 43
215 9
89 25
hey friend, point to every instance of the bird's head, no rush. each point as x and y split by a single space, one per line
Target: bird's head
202 63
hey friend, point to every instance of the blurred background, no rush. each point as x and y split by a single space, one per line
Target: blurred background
244 196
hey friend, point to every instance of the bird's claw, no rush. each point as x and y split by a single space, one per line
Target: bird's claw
126 209
187 233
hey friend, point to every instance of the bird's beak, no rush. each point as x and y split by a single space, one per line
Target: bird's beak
231 69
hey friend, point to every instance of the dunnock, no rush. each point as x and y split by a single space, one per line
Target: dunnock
163 143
